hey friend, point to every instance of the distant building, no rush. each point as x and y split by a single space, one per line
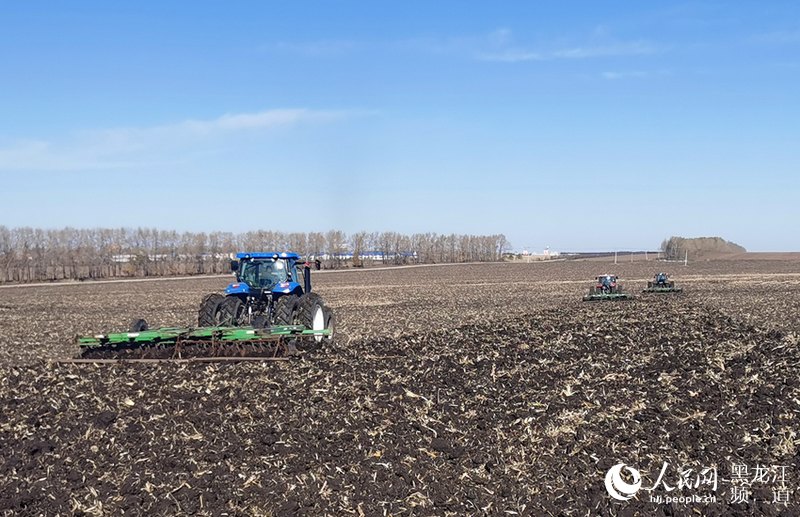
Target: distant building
366 255
546 254
133 257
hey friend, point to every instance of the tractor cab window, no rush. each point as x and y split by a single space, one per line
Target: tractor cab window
263 274
281 271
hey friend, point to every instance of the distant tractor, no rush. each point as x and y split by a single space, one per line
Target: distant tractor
607 287
270 289
661 284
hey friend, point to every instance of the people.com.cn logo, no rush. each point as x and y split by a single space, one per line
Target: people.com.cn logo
617 487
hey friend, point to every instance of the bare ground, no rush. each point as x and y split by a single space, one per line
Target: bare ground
474 389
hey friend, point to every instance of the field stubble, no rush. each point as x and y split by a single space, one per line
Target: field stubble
452 390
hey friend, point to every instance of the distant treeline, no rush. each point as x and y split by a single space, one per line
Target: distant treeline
676 248
33 255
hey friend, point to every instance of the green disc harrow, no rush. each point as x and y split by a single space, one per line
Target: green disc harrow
663 288
600 296
197 344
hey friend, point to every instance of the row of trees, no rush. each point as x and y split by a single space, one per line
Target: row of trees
676 248
31 254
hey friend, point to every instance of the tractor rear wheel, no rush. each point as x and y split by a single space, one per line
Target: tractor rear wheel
232 312
286 310
330 324
311 313
208 315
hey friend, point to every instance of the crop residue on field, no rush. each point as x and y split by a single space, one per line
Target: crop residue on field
460 401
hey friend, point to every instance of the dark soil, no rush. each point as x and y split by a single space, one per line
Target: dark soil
512 402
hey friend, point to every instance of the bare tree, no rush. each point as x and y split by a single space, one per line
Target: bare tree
31 254
335 242
357 242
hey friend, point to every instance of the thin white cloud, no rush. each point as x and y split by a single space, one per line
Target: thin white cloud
515 55
500 36
324 48
193 128
510 55
633 74
501 45
26 155
782 37
612 76
127 147
439 46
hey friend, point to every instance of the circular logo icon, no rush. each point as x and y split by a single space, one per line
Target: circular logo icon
617 487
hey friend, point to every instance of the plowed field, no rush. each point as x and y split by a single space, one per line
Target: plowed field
451 390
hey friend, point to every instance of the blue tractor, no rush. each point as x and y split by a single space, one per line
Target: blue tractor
270 289
661 283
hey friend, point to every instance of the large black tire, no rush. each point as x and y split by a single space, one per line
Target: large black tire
330 324
232 312
260 322
311 313
285 310
138 325
208 314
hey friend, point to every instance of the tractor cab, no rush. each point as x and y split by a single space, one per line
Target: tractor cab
263 274
606 281
661 278
258 274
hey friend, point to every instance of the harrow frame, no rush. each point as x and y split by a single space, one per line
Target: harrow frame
187 344
656 289
601 297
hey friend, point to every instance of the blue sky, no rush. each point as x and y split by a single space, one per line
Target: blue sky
576 125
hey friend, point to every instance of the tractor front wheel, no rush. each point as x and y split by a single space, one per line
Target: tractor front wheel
138 325
260 322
